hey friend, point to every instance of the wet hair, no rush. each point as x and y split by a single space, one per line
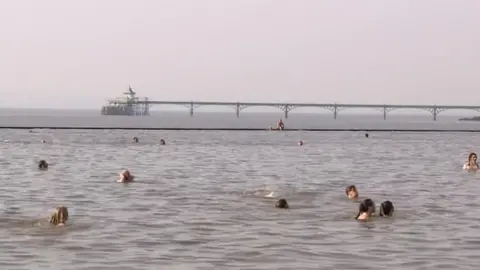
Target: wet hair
366 206
127 175
366 135
60 215
350 188
162 142
42 165
370 204
135 139
300 142
471 155
362 208
386 209
282 203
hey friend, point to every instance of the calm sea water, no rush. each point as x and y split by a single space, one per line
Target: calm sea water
182 119
193 205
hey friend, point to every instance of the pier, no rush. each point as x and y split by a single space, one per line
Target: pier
287 107
132 105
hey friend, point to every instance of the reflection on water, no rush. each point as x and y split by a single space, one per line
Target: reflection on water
199 201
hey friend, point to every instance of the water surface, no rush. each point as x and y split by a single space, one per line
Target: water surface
191 207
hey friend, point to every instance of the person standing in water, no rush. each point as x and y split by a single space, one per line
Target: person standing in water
471 165
280 125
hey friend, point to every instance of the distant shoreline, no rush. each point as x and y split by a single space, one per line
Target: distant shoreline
248 129
475 118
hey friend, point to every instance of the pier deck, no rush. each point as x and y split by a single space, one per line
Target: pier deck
335 108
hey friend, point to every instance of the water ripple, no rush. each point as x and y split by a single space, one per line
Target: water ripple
193 205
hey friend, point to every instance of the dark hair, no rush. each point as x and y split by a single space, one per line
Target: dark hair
386 209
471 155
42 164
370 204
366 206
352 187
362 208
282 203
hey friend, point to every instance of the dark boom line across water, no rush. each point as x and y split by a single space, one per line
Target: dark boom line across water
248 129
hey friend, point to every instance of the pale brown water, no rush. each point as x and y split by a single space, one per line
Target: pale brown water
192 205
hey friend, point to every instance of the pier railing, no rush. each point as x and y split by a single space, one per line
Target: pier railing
335 108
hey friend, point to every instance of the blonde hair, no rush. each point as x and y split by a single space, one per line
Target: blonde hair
60 215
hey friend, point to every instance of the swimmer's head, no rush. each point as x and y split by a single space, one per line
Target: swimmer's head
351 192
472 157
386 209
135 139
370 204
126 174
42 165
59 216
365 209
282 203
300 143
162 142
366 135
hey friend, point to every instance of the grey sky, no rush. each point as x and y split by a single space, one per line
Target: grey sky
60 54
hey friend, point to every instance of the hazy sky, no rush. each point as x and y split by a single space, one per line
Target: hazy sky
78 54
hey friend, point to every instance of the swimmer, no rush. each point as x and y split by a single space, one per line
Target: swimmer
300 143
42 165
59 216
135 139
352 192
386 209
125 177
162 142
282 203
366 135
43 141
369 203
365 210
471 165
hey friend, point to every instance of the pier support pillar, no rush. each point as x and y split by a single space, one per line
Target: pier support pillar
435 112
191 109
238 110
286 108
335 111
385 113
